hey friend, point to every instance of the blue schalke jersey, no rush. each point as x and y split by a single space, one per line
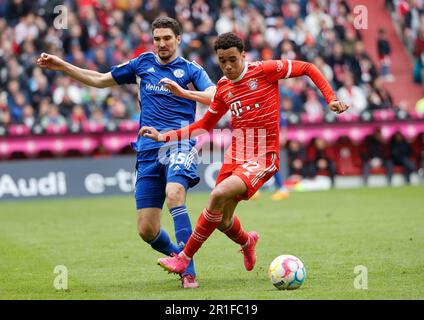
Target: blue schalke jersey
160 108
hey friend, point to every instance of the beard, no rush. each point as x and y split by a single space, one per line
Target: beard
165 56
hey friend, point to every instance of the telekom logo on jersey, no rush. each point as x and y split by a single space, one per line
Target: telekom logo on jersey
237 109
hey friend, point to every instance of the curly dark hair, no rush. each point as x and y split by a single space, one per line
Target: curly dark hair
167 22
228 40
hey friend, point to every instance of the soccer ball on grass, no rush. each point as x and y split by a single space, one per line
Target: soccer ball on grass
287 272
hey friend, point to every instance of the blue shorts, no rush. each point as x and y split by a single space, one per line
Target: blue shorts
155 169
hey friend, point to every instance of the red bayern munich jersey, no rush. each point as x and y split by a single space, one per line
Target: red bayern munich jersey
254 101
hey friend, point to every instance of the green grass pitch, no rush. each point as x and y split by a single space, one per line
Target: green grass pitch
332 232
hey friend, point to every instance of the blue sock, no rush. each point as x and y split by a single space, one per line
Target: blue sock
182 226
163 244
278 180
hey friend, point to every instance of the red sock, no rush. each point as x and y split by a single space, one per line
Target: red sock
236 233
206 224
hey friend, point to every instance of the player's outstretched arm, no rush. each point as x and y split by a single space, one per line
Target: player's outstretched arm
204 125
283 69
310 70
204 97
88 77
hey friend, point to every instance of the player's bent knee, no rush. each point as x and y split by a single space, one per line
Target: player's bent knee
147 232
147 235
218 197
175 196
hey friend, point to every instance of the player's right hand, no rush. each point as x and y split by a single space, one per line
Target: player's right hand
173 87
49 61
151 133
338 106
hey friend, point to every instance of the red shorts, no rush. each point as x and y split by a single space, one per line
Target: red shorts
254 172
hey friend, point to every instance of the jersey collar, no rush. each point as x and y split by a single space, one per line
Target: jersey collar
241 74
158 60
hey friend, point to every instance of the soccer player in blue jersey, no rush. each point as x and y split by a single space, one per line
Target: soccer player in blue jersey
166 103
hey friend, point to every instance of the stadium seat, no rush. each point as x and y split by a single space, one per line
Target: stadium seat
416 115
384 115
115 143
348 117
18 130
347 158
90 127
56 129
307 118
128 125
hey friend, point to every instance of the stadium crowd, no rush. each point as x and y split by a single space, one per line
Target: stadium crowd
409 18
100 34
97 35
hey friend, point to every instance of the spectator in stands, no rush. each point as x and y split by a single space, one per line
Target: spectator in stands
367 71
375 155
26 29
66 106
401 152
16 107
315 16
324 68
5 117
53 117
413 18
419 153
320 159
78 116
384 51
43 108
290 98
98 117
286 50
39 87
28 116
419 106
379 97
68 93
353 94
349 42
313 106
297 162
340 63
363 68
274 34
419 56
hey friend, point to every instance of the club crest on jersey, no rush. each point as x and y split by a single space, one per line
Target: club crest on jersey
179 73
253 84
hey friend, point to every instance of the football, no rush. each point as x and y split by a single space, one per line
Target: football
287 272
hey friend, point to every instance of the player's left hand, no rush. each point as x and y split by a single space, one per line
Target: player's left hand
151 133
338 106
173 87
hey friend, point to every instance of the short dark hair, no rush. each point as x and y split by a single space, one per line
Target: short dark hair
229 40
167 22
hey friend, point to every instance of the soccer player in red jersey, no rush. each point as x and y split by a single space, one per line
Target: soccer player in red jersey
250 91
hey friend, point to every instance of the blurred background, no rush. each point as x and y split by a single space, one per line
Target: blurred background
372 54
